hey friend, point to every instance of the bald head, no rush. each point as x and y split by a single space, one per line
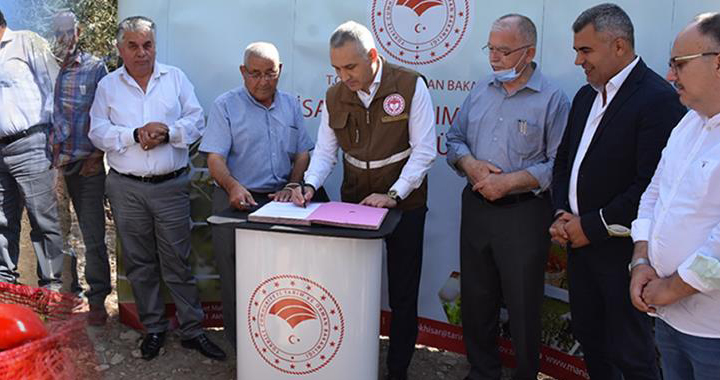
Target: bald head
522 25
695 64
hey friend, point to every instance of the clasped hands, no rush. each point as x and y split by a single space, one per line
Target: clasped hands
152 134
485 178
568 229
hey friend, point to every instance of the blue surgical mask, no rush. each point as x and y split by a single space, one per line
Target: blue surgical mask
509 75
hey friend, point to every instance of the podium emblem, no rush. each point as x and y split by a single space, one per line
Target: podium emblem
295 324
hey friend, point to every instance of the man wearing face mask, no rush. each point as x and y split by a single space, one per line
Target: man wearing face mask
504 141
77 158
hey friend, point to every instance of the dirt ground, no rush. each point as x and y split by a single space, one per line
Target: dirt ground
117 346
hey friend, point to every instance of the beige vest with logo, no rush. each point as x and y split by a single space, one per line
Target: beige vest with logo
372 134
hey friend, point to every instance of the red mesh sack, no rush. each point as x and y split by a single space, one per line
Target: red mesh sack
65 354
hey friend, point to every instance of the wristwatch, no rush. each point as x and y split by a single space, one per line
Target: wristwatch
636 262
393 194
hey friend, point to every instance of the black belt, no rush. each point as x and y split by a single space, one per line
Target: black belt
155 178
510 199
34 129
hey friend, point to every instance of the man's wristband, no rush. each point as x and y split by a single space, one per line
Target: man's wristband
167 137
135 135
291 185
636 262
310 186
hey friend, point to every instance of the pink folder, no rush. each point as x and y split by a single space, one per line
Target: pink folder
351 215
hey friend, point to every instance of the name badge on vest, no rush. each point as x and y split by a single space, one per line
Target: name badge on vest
394 105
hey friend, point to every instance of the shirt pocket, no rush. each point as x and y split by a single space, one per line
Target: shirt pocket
168 111
525 137
290 137
701 175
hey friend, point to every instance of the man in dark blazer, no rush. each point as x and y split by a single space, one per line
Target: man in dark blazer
617 127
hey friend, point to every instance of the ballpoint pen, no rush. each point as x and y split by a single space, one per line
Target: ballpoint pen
302 192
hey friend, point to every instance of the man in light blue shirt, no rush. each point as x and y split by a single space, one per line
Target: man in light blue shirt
257 148
504 140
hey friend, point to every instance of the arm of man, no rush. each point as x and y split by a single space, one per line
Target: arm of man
322 161
45 70
190 126
104 134
217 143
657 120
421 130
238 196
644 273
700 272
459 156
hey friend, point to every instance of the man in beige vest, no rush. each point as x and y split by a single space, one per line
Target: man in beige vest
381 116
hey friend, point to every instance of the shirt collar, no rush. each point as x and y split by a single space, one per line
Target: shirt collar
158 70
8 35
244 92
376 81
617 81
710 122
534 83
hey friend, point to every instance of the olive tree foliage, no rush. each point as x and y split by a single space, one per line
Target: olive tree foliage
97 18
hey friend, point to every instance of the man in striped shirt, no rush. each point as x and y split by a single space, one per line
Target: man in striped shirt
77 158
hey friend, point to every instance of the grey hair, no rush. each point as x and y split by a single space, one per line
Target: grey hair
709 25
608 18
263 50
351 31
3 23
135 24
525 26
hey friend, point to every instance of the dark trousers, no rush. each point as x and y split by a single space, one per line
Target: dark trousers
87 195
616 338
503 251
153 225
404 263
223 241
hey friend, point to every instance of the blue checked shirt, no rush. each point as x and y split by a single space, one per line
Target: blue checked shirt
258 143
74 95
519 131
27 77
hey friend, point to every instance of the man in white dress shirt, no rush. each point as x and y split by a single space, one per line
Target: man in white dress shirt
144 116
676 263
381 116
27 76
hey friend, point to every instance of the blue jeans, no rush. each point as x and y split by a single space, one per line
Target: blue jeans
687 357
26 179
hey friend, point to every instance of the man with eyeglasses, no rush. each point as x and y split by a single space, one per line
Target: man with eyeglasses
617 127
676 274
504 141
257 148
80 162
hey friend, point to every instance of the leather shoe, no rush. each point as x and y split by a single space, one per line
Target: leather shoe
151 344
205 346
97 315
396 376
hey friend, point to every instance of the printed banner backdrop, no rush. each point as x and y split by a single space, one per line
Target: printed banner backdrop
442 40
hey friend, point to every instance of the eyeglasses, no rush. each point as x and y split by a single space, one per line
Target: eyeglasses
256 75
489 49
676 63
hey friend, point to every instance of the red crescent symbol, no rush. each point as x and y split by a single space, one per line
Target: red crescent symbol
290 339
416 28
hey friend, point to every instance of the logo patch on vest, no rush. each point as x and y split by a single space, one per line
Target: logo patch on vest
394 104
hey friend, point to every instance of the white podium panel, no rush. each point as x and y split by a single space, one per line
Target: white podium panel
307 306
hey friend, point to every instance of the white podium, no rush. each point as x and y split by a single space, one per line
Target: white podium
308 301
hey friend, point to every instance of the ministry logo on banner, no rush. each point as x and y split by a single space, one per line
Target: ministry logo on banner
296 325
419 32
